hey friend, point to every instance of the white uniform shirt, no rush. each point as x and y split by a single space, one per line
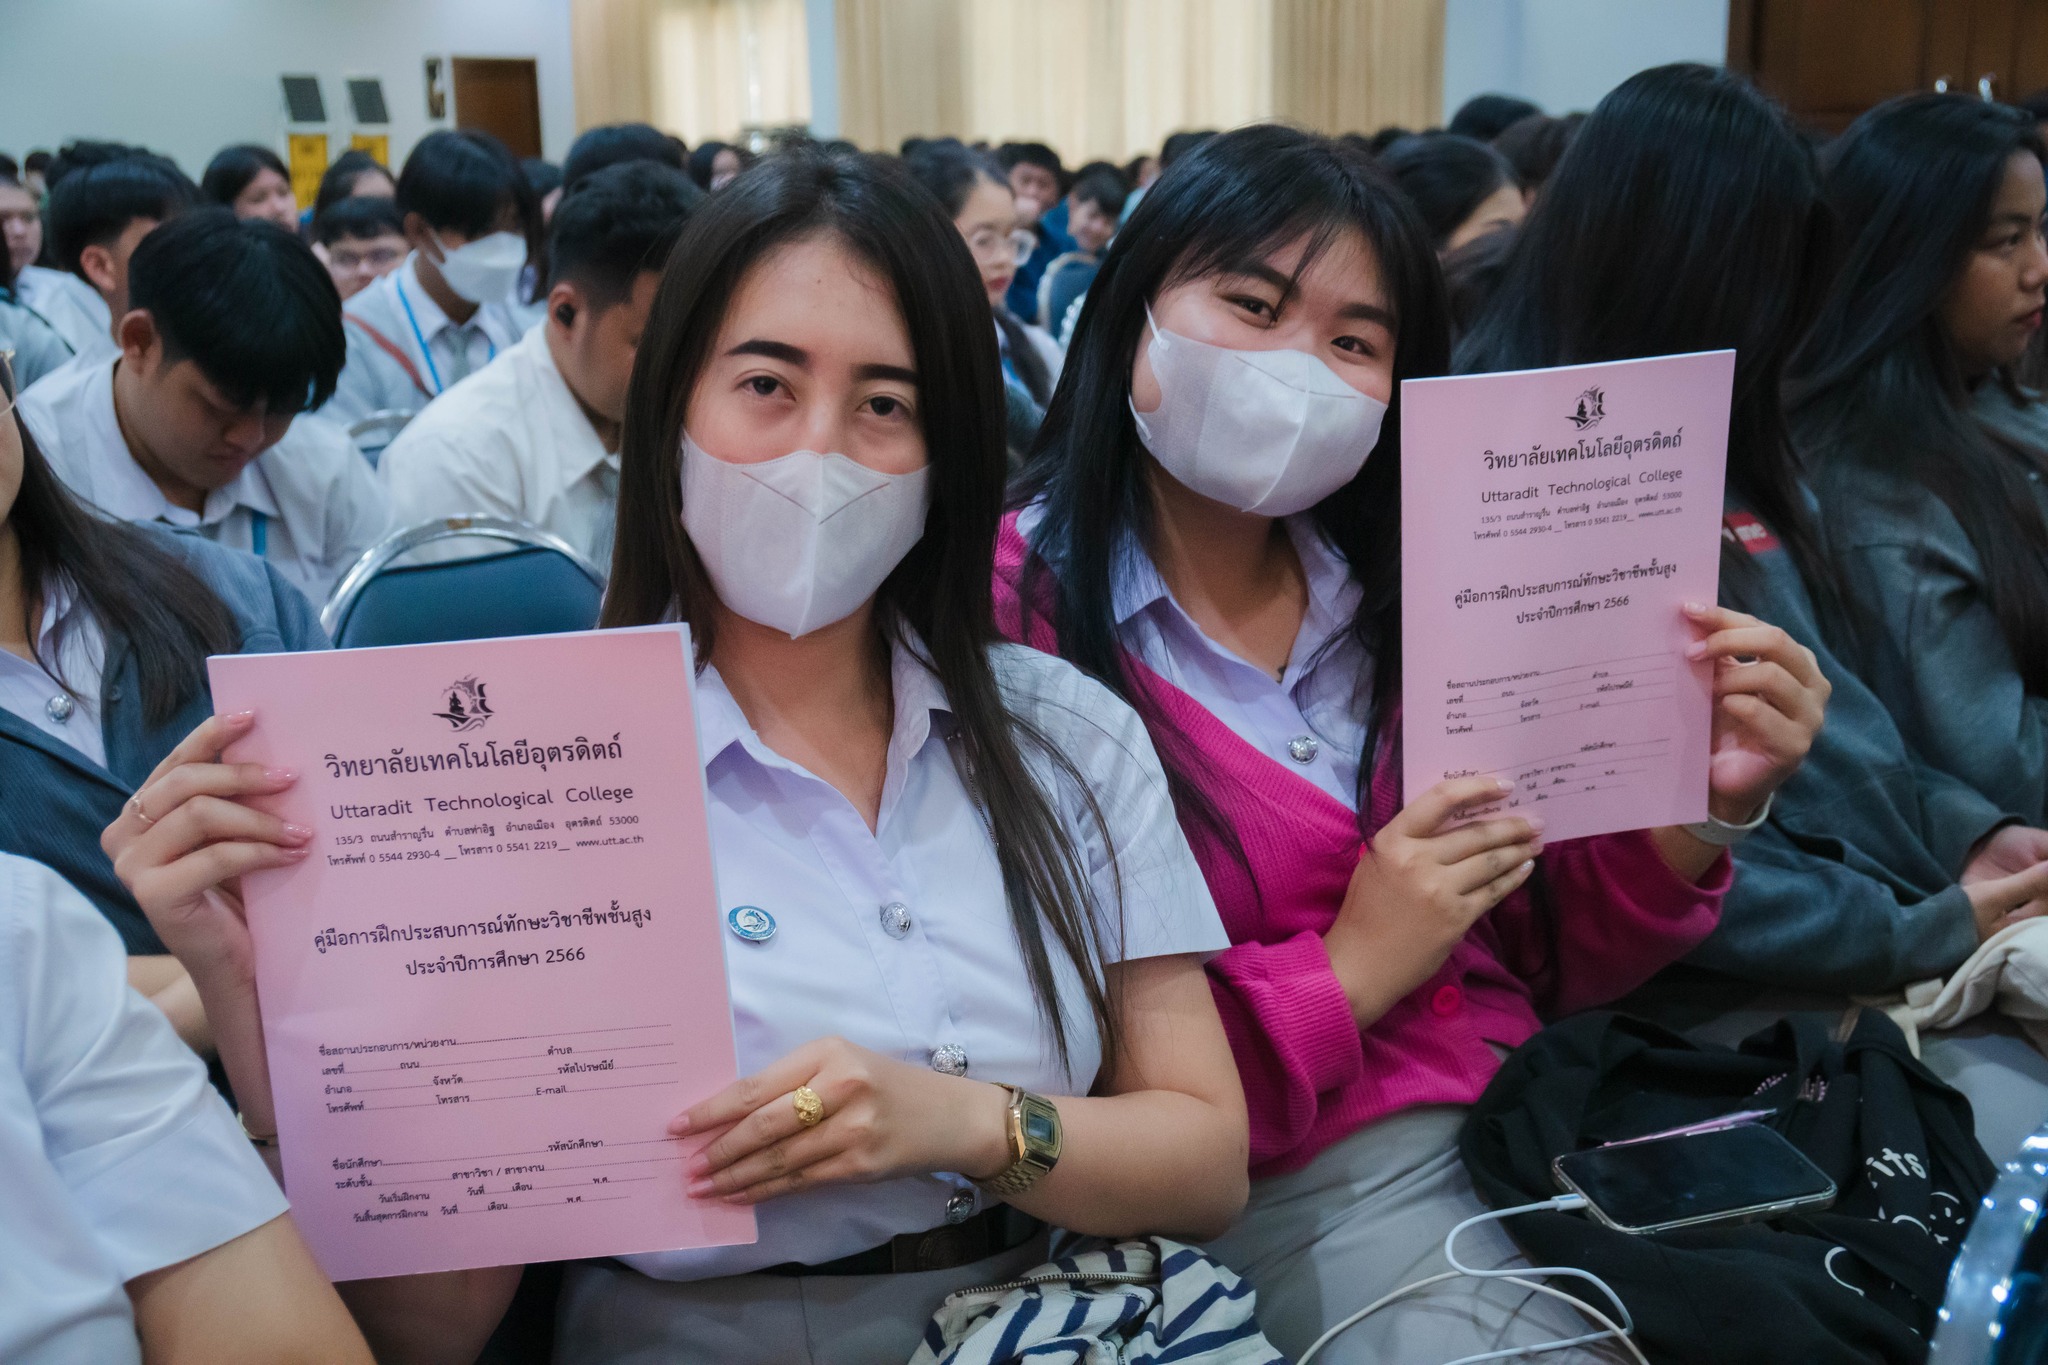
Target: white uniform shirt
438 351
1310 719
309 505
72 307
900 940
120 1158
511 441
71 641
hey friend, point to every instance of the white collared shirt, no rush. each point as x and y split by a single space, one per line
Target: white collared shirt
120 1157
309 506
70 640
513 442
439 353
1311 718
72 307
900 940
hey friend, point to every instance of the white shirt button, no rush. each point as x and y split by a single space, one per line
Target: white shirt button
949 1058
60 708
960 1207
896 919
1303 748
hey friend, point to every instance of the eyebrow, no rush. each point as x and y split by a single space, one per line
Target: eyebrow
1363 312
799 357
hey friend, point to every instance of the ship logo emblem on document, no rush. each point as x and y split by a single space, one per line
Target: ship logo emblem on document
467 708
1592 407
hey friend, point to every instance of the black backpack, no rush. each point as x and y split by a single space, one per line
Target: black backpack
1858 1283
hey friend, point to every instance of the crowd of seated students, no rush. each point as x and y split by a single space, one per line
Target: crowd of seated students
972 398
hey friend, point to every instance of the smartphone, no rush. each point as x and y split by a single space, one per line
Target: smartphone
1727 1175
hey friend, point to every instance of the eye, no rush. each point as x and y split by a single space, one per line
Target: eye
1355 345
761 385
888 406
1251 304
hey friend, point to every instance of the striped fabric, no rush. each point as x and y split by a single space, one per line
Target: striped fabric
1137 1303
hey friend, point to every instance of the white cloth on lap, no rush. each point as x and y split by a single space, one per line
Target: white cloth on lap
2008 973
120 1158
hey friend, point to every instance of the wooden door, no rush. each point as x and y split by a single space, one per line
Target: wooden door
1829 60
500 96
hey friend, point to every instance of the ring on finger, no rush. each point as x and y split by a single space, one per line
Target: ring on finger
810 1110
135 804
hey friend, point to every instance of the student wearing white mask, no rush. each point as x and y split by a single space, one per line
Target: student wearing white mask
973 904
1212 528
473 223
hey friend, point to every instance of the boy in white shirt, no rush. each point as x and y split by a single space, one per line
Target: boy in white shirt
535 434
234 332
104 199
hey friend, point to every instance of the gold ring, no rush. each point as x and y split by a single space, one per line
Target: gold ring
810 1110
135 804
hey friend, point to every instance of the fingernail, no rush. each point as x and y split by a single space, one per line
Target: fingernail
1502 785
298 834
699 1189
1527 866
239 717
298 852
1535 846
1695 609
1696 651
1536 823
281 775
697 1165
679 1127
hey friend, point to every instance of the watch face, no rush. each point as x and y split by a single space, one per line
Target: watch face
1038 1129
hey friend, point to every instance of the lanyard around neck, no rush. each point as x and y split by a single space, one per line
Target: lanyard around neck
426 352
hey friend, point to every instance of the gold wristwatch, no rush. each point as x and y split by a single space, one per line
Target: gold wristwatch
1034 1143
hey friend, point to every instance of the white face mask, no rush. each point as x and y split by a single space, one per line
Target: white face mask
1272 432
484 271
799 542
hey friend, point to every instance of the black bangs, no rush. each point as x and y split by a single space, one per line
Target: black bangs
248 303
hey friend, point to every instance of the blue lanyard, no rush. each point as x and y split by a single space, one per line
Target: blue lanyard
259 534
426 352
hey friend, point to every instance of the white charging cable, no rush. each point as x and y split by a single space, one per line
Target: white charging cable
1611 1329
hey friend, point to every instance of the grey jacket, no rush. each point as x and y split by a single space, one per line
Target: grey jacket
1930 647
1851 884
54 801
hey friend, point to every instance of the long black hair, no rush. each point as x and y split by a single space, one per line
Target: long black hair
1686 216
1237 197
133 587
465 179
1878 384
232 168
942 591
1448 177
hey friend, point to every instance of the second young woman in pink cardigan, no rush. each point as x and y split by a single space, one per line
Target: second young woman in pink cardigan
1202 528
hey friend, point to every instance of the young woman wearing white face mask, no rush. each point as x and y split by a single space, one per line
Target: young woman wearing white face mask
1212 528
473 224
961 856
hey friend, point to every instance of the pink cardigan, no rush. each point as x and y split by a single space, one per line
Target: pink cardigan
1311 1076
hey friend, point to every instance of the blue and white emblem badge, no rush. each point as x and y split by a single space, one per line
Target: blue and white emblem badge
751 923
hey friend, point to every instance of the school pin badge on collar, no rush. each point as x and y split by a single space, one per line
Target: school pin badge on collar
751 923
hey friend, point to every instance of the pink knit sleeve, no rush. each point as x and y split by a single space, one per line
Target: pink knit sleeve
1291 1030
1614 915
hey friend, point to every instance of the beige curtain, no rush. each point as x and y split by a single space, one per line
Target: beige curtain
1343 66
1110 78
726 65
612 59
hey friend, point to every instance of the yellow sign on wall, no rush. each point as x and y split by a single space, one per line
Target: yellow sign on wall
308 163
378 145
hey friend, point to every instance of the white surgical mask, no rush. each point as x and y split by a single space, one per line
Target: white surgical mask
484 271
1272 432
798 542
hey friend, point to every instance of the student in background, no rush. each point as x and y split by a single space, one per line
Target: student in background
354 173
140 1222
866 734
1036 180
544 178
38 347
535 435
1873 870
1464 189
610 143
714 164
104 632
253 182
234 333
1237 577
360 240
1930 461
104 199
976 195
1095 207
1485 117
473 224
1534 146
35 170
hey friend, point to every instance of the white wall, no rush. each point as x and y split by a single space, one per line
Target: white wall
1566 54
187 77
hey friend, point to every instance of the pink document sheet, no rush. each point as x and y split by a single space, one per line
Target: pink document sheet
500 973
1553 525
